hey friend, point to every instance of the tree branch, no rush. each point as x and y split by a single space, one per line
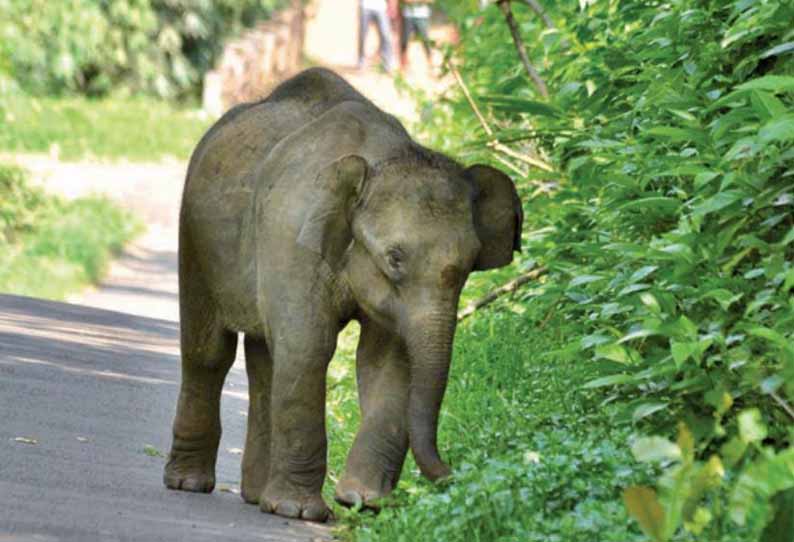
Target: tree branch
535 6
507 10
494 143
783 404
507 288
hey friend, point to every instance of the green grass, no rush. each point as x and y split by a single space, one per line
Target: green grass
535 457
50 247
138 129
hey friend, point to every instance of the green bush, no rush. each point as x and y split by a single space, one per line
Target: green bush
93 47
667 228
50 247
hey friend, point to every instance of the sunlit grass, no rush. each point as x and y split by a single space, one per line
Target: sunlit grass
532 452
51 247
79 128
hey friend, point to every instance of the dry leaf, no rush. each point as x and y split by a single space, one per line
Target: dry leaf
228 489
642 504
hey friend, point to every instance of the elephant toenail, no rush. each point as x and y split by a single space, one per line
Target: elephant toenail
352 498
288 509
266 506
315 513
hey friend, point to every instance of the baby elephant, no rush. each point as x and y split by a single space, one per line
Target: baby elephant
300 213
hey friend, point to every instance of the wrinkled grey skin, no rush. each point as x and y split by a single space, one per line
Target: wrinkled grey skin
300 213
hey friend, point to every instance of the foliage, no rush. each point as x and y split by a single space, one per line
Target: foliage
667 227
534 458
50 247
135 129
94 46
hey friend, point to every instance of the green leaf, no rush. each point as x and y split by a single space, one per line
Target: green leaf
775 337
610 380
650 301
704 178
781 49
613 352
646 409
584 279
655 204
724 297
588 341
521 105
788 238
718 201
677 135
682 351
767 105
643 505
637 334
751 427
772 83
780 129
654 449
643 272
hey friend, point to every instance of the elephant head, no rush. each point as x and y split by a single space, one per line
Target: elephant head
404 235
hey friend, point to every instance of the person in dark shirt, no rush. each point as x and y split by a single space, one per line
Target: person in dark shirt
415 20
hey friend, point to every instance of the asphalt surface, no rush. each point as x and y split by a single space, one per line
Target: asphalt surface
87 398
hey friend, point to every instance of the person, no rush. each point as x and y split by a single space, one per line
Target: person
375 11
415 20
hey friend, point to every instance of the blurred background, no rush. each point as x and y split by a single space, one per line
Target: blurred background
102 101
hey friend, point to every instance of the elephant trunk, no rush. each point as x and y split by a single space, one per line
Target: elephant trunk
430 351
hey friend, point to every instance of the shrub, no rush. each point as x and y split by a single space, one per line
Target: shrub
93 47
667 227
50 247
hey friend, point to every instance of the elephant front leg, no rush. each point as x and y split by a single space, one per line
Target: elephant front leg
298 449
376 458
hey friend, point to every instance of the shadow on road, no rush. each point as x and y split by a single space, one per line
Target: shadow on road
87 398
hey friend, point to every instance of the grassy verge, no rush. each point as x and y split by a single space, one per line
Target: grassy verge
536 457
50 247
135 129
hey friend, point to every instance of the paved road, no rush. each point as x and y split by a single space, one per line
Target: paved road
84 393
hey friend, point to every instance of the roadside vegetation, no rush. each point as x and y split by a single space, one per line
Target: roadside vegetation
642 388
50 247
99 48
74 128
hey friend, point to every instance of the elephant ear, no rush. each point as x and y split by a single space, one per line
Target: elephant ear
326 229
497 217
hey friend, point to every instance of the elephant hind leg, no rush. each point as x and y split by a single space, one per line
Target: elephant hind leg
208 351
256 457
376 458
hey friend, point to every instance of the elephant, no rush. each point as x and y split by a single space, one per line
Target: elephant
300 213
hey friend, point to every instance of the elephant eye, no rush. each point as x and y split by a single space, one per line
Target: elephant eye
395 258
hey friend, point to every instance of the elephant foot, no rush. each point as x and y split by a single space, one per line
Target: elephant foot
290 505
189 471
250 492
351 492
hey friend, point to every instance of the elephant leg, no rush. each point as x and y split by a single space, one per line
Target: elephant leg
256 457
208 351
376 458
299 447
